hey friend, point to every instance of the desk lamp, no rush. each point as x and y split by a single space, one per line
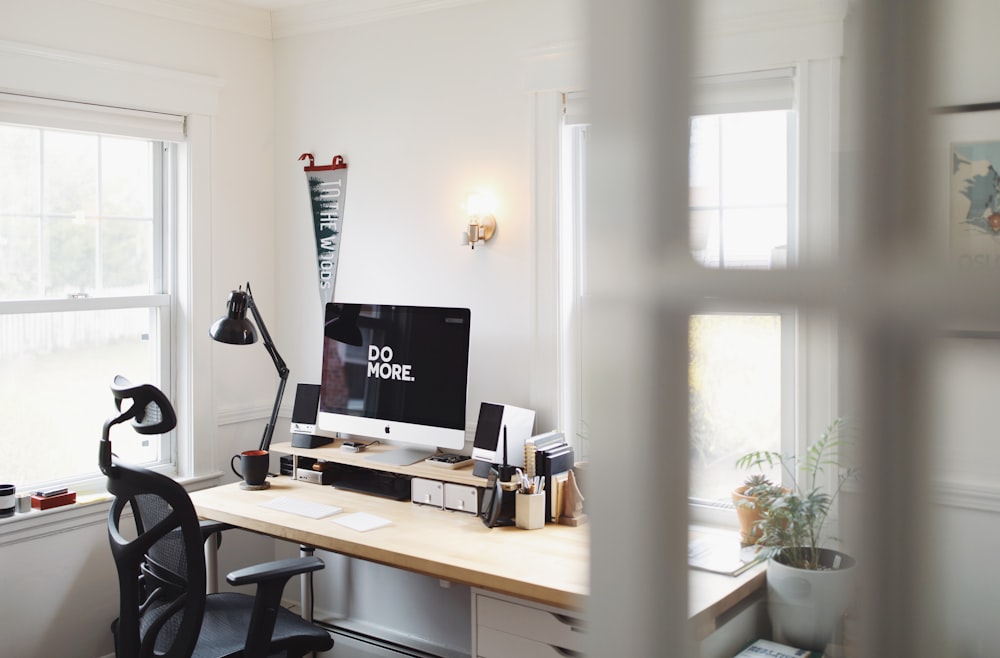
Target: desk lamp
236 329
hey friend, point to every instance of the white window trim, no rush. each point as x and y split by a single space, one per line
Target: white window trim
55 74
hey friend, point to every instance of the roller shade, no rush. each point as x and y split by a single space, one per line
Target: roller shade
745 92
576 108
66 115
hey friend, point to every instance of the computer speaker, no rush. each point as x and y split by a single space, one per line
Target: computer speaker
304 412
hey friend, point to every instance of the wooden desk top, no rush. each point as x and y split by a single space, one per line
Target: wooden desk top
549 566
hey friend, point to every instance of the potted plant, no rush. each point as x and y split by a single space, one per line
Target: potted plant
746 499
809 586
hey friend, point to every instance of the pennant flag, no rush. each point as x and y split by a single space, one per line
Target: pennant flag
327 192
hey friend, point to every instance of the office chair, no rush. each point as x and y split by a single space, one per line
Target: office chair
164 608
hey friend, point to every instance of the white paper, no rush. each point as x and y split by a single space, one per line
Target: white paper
301 507
362 521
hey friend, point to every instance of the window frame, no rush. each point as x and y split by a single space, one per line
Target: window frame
161 301
50 73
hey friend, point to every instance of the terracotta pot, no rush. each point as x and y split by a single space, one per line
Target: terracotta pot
747 514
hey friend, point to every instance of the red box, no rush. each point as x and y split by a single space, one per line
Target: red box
43 502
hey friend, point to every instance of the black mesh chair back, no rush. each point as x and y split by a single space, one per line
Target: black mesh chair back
161 584
157 542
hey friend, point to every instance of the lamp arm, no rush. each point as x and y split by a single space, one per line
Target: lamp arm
279 364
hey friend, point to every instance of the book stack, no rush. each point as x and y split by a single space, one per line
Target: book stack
549 457
769 649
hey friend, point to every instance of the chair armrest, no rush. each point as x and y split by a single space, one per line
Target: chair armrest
271 578
276 570
209 528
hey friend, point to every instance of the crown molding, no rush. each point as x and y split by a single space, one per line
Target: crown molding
334 14
218 14
724 18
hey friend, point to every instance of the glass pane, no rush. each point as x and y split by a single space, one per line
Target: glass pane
735 389
70 176
738 189
19 257
705 237
71 257
126 256
704 161
19 164
754 237
126 177
754 155
55 374
77 214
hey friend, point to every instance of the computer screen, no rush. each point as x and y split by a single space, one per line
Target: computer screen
396 373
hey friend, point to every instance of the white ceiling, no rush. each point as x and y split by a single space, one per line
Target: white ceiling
272 5
276 19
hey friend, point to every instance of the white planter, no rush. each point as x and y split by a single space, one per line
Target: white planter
806 606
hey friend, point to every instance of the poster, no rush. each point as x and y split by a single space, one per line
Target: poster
974 200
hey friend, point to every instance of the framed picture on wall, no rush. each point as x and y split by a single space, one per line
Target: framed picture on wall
974 203
965 182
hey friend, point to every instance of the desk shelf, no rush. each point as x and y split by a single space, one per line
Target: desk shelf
333 453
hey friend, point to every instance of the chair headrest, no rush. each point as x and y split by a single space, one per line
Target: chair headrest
151 411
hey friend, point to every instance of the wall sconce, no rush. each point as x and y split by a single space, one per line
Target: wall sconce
482 222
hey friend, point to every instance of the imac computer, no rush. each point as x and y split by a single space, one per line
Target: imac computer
397 374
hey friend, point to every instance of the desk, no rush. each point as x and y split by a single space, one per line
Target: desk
548 566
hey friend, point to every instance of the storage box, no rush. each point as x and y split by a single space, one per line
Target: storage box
461 498
427 492
48 502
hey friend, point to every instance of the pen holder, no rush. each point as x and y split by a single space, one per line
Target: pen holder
529 510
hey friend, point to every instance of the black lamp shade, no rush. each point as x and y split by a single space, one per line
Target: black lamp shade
235 328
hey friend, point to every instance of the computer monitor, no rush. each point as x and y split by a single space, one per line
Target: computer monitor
396 373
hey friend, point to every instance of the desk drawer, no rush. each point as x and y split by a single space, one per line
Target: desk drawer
492 643
548 626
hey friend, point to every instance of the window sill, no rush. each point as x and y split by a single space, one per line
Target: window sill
88 510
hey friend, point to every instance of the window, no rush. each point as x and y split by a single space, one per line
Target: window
740 209
86 230
571 282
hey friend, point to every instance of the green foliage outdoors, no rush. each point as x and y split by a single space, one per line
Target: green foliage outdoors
793 518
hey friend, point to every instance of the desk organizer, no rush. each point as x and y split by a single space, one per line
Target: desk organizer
48 502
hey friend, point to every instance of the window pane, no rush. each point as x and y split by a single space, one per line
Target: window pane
19 256
754 154
70 179
55 372
738 191
71 256
77 214
126 177
126 255
19 182
735 388
753 237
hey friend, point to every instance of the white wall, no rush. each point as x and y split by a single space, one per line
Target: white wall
425 109
964 454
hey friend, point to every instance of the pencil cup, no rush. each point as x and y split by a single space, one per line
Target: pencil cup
529 511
